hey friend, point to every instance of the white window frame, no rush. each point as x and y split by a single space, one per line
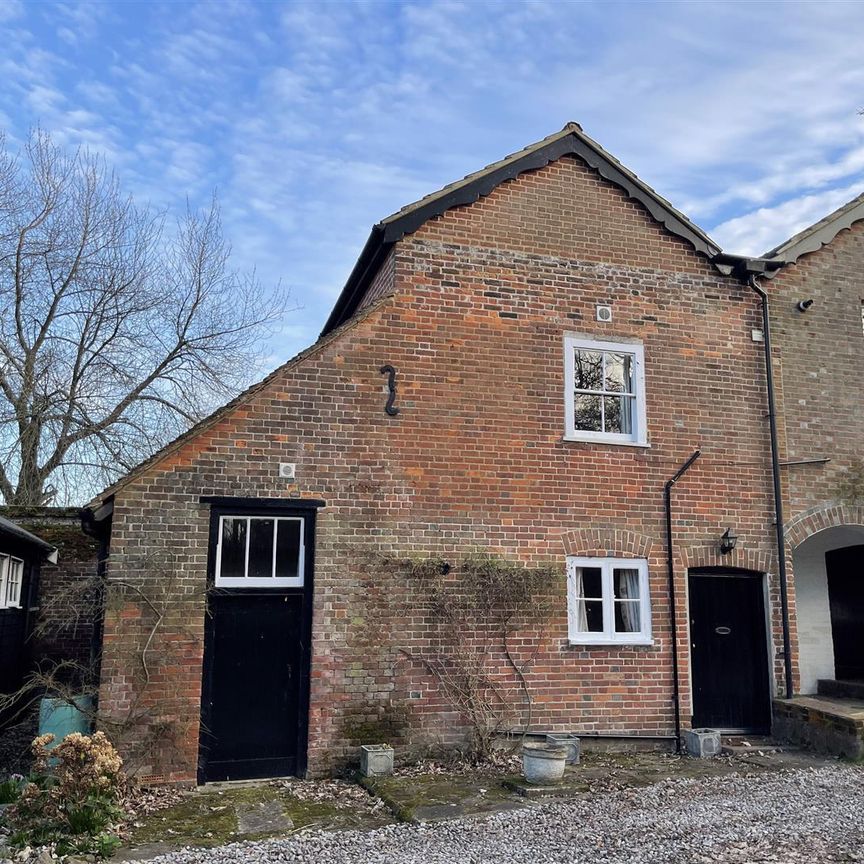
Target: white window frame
6 564
639 436
261 581
609 636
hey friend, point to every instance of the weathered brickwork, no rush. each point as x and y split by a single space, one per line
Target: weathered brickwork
473 320
821 353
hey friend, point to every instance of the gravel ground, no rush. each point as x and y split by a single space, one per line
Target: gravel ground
814 815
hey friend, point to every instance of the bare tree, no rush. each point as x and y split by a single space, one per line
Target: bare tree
116 333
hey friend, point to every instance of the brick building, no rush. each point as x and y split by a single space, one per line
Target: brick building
517 368
818 309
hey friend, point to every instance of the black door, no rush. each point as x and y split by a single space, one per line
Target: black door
255 695
846 599
729 652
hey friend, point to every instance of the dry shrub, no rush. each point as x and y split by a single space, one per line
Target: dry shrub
70 801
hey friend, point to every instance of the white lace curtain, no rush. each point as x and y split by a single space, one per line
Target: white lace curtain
628 589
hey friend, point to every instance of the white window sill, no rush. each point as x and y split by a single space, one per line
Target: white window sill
610 643
258 582
613 441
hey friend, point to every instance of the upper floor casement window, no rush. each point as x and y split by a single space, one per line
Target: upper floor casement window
604 393
11 580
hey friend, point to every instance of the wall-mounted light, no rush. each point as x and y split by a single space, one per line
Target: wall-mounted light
804 305
728 541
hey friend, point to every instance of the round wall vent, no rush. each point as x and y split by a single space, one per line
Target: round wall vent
604 313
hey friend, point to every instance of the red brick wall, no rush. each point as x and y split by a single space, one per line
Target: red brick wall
474 461
821 355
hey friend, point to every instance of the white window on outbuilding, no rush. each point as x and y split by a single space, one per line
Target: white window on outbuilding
608 601
604 393
11 580
260 552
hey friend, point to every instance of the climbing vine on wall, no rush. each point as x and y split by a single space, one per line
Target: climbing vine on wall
476 608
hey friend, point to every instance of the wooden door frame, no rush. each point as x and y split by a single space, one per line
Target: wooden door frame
225 506
719 572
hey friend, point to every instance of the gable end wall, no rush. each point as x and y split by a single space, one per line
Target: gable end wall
481 299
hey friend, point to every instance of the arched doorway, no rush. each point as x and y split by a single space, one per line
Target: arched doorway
829 591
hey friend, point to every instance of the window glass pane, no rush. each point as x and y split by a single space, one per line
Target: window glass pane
590 614
589 583
627 616
288 549
618 414
625 583
588 370
13 591
233 562
586 413
619 373
261 549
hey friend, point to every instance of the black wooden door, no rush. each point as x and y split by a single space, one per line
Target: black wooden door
729 652
255 694
255 664
846 599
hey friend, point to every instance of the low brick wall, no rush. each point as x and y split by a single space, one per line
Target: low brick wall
819 726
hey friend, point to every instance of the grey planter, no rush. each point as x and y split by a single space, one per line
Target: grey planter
543 764
376 760
702 743
569 742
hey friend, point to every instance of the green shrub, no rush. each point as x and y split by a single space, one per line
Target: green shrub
10 789
70 801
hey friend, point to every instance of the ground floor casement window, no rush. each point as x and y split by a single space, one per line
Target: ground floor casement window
11 579
259 552
607 601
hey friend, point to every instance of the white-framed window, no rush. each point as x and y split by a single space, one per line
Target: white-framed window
11 580
604 396
260 552
608 601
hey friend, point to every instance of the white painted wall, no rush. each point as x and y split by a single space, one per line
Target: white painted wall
816 650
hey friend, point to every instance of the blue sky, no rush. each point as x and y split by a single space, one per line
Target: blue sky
315 120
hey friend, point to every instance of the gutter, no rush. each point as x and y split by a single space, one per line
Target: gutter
667 498
753 282
748 270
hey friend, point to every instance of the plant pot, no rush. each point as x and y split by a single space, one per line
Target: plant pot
543 764
376 760
702 743
569 742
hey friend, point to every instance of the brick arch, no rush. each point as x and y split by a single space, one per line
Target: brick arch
831 514
694 555
606 543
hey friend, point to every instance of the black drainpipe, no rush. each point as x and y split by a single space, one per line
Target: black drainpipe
753 282
667 496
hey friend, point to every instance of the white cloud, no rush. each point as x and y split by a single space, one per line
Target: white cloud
761 230
10 10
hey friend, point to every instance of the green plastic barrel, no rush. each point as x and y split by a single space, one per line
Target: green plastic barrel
59 717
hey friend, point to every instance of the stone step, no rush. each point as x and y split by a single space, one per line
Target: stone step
748 745
843 689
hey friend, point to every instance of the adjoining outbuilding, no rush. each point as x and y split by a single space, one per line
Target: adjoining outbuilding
22 555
